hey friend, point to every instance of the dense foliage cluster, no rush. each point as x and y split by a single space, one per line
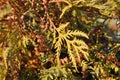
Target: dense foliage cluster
59 39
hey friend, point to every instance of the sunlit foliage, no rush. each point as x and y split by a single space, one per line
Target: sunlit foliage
59 40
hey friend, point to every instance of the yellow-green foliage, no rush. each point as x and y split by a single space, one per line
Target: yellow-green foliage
74 46
3 54
5 11
55 72
35 33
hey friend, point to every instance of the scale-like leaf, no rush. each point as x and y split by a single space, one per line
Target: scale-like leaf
76 33
66 8
74 46
62 26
